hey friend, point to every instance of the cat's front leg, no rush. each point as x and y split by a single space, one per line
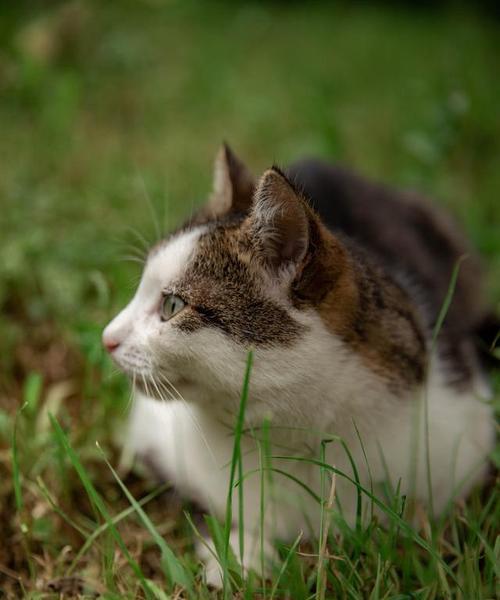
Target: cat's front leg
259 556
151 437
174 441
180 444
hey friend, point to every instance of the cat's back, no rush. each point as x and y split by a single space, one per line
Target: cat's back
415 242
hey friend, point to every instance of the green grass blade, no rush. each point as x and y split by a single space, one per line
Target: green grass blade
64 515
104 527
284 566
16 471
447 302
437 329
97 501
367 463
488 550
359 498
32 391
404 526
320 591
18 496
262 510
285 474
175 571
241 509
234 464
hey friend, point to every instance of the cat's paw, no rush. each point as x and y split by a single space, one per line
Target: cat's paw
214 575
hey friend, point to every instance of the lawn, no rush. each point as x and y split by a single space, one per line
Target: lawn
110 116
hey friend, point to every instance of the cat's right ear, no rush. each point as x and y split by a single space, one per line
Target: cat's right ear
233 185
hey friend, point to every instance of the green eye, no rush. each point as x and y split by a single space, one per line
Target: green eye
172 304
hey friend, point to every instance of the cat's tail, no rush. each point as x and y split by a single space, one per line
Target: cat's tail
487 334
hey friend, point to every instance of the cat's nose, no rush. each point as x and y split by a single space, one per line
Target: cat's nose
111 346
110 343
116 332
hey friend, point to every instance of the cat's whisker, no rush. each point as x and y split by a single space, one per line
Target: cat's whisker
134 251
169 392
141 238
191 209
172 386
159 386
166 213
114 371
155 385
178 396
131 395
192 417
130 258
140 250
148 393
152 209
130 246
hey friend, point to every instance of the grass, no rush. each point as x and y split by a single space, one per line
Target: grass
110 114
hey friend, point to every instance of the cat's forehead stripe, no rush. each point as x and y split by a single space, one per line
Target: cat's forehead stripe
222 289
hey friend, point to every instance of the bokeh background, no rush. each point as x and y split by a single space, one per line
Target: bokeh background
110 116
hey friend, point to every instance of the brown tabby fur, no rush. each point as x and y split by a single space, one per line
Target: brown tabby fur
354 261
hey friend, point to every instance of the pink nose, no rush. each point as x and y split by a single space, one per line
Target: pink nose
109 343
111 346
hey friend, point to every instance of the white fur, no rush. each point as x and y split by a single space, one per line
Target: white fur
309 391
137 327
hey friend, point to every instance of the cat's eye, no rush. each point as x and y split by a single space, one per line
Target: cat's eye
171 305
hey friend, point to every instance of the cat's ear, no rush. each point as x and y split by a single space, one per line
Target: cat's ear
279 222
233 184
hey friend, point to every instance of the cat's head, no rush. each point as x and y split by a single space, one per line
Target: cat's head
245 273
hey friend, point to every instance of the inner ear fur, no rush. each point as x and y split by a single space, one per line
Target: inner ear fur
279 221
284 231
233 185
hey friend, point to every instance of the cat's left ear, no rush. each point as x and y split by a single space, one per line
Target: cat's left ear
233 185
279 223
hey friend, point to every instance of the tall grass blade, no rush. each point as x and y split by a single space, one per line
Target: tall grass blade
404 526
32 392
437 329
234 463
319 571
18 494
241 509
367 463
64 515
98 502
296 480
264 448
175 571
16 471
104 527
326 518
359 496
285 564
447 302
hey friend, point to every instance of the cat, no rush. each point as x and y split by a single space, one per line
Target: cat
336 285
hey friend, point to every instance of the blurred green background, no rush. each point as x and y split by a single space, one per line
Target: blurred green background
110 116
